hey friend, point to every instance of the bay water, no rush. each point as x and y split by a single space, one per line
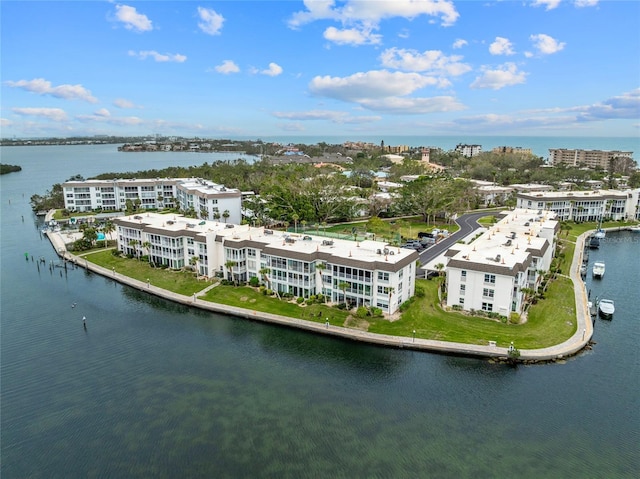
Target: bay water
155 389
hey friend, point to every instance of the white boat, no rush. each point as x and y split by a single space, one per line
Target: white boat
600 234
635 229
598 269
606 308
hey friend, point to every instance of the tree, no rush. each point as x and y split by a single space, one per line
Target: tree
216 215
343 285
147 245
133 244
193 261
321 267
109 228
295 217
230 265
391 291
225 215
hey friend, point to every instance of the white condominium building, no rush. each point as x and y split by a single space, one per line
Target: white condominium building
591 205
208 200
489 274
361 273
585 158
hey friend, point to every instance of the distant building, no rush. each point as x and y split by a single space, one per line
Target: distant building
586 158
364 273
585 205
468 150
208 200
511 150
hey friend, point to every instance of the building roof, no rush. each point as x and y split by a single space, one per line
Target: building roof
508 246
366 254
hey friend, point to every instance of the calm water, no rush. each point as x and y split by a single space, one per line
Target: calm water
153 389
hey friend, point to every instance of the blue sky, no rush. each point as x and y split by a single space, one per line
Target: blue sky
324 67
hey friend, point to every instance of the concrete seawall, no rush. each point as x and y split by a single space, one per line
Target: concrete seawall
568 348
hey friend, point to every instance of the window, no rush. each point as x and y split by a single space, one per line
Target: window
490 278
461 301
487 306
487 293
463 275
382 276
463 289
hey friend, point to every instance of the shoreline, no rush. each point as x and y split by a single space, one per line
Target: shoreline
578 341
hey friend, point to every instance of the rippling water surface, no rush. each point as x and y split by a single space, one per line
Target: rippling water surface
153 389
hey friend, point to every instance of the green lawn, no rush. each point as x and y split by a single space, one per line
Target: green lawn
546 325
250 298
181 282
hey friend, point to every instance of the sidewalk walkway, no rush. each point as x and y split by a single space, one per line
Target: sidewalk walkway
574 344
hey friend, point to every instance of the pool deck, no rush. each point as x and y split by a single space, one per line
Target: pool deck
573 345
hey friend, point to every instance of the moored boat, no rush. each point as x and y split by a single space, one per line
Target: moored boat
598 269
594 242
606 308
600 234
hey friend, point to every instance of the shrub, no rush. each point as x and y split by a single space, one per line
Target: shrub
419 293
300 300
362 312
375 311
341 306
254 281
514 318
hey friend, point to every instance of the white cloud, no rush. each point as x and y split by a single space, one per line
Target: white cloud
585 3
124 103
626 106
549 4
352 36
211 21
371 84
101 117
506 75
159 57
132 19
501 46
364 16
226 67
329 115
381 90
546 45
4 122
103 112
273 71
43 87
413 106
459 43
433 61
53 114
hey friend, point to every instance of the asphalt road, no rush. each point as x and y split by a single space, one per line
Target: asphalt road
467 223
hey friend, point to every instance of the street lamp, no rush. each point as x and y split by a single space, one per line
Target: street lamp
414 335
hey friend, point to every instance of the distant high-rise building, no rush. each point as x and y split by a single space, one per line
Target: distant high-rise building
468 150
586 158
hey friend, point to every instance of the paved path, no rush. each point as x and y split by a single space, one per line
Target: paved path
571 346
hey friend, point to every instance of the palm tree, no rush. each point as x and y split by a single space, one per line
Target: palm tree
304 225
108 229
133 244
147 245
225 215
343 285
391 291
230 264
193 261
295 217
216 215
321 267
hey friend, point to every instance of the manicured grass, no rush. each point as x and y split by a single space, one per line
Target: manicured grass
387 229
250 298
546 325
181 282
